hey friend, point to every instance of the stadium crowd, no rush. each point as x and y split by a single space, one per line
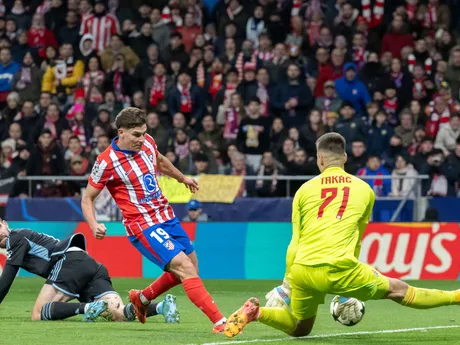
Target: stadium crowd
234 87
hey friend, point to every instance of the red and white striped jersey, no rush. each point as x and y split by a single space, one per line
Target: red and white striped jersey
131 179
101 28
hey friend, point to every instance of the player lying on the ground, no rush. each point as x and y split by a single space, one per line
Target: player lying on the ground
329 216
129 169
70 273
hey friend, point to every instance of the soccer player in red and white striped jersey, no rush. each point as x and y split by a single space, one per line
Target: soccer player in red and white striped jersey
101 25
129 168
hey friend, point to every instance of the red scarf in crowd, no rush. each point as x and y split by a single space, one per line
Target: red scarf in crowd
185 98
373 18
410 10
79 131
229 91
216 84
264 56
430 17
50 123
390 105
231 123
418 90
359 56
118 85
157 93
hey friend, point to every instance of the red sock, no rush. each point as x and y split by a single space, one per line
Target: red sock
165 282
199 296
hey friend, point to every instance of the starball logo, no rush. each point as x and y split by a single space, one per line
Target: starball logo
413 251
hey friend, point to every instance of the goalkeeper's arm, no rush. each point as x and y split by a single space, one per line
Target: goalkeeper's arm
280 296
6 280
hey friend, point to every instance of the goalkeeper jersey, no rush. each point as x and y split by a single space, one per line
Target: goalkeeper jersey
329 215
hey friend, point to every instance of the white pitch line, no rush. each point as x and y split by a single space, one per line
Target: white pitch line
401 330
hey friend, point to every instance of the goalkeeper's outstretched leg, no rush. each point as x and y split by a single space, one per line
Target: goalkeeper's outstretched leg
279 318
418 298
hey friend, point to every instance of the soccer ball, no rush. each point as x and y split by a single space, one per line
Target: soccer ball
347 311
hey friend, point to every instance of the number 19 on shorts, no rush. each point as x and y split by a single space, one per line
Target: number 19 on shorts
159 234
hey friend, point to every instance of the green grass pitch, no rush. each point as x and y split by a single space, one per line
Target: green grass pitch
17 328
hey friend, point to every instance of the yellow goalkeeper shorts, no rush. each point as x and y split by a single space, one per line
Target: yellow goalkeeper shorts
310 284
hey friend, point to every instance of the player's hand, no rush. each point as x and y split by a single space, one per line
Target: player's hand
99 231
191 184
280 296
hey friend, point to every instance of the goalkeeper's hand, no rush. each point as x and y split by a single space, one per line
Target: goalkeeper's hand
280 296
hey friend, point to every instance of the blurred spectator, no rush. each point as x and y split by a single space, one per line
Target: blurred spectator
402 187
358 157
8 68
46 159
397 37
452 74
350 126
69 33
65 74
119 81
157 131
351 89
448 135
142 40
201 164
329 102
253 135
40 37
379 134
52 122
161 30
381 187
311 131
79 166
195 212
189 31
407 129
239 168
103 142
27 80
211 135
187 99
115 49
293 98
156 87
93 81
100 25
268 167
437 184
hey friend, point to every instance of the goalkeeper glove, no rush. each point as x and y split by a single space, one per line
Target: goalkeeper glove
280 296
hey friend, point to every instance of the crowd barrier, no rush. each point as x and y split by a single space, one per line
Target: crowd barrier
242 210
257 250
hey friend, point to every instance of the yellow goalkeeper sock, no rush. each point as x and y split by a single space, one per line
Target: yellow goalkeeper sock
279 318
429 298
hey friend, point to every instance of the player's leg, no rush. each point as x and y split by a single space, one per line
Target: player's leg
70 275
169 280
48 294
169 248
365 283
185 267
299 322
418 298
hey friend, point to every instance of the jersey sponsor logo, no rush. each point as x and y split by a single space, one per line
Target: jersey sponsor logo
414 251
149 198
149 183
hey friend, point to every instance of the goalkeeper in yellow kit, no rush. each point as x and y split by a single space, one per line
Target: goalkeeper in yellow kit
329 216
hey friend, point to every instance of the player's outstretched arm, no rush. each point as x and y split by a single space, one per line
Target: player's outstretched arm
87 206
167 168
6 280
